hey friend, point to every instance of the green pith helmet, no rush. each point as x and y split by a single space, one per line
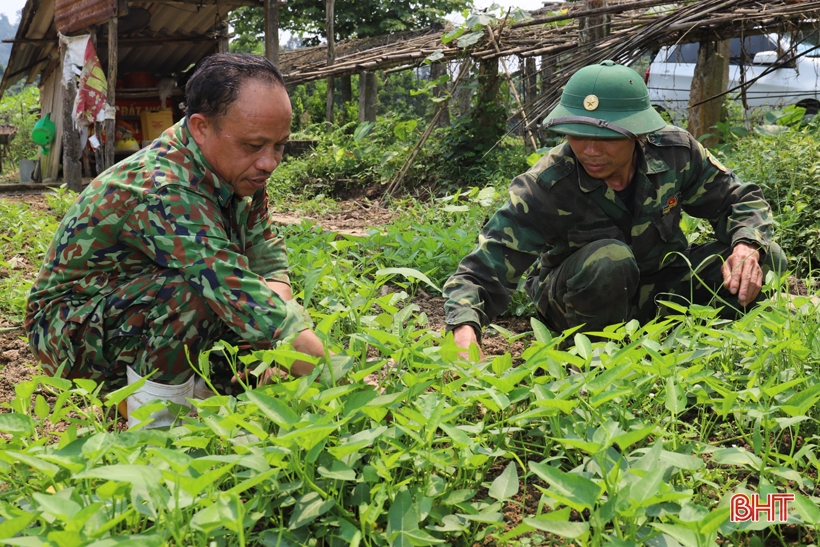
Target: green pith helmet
605 101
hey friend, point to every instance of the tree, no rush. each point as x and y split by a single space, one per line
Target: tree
360 19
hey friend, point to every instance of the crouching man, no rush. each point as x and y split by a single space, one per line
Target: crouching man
173 249
600 216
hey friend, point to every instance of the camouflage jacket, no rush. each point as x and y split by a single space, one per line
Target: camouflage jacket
163 208
555 208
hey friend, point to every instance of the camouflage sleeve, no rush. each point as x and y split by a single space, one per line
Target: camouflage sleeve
181 229
264 248
737 211
509 244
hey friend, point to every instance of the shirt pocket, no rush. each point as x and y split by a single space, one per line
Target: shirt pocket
669 226
579 237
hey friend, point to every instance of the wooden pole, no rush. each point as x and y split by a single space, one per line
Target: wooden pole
108 155
72 169
331 58
368 88
272 31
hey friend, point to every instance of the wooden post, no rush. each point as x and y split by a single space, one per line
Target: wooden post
593 28
272 31
368 87
346 88
531 80
331 58
710 79
108 156
223 44
437 70
546 75
72 169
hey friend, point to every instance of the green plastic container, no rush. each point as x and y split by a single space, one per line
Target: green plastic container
43 133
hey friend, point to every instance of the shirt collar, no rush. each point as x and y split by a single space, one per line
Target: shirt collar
649 163
222 191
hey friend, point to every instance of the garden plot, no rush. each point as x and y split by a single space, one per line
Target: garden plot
637 440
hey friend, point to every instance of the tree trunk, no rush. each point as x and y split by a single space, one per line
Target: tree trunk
491 123
272 31
710 79
593 28
438 70
331 58
72 169
547 71
346 88
368 87
463 94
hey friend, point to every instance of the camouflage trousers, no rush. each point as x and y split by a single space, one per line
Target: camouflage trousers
152 323
600 285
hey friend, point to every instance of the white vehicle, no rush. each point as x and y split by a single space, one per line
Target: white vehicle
669 76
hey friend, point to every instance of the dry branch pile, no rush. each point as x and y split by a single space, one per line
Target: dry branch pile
636 27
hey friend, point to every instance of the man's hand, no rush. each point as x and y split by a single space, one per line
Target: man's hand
464 335
305 342
742 274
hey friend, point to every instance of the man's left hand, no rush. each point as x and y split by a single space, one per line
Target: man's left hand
742 274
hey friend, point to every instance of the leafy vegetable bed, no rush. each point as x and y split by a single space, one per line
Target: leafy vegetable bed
639 439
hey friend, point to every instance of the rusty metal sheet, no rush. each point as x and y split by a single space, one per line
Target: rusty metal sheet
74 15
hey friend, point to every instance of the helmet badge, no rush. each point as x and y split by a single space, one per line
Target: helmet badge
590 102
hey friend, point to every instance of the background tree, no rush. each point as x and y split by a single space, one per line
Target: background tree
360 19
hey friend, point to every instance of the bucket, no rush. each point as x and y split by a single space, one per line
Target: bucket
26 169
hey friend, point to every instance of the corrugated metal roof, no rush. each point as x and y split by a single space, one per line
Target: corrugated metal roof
178 34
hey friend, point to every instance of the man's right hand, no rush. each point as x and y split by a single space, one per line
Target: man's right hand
306 342
464 335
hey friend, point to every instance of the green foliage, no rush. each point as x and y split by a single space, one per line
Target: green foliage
19 110
637 439
360 19
641 442
343 159
784 161
24 238
60 201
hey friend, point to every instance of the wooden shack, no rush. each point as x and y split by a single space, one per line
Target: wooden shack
143 45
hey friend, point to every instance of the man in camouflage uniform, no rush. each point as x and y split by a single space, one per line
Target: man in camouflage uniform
173 248
602 215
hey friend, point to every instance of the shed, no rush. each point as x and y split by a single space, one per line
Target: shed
139 43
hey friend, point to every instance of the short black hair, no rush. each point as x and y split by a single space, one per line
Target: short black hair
215 83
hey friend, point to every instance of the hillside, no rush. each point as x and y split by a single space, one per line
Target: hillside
7 31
